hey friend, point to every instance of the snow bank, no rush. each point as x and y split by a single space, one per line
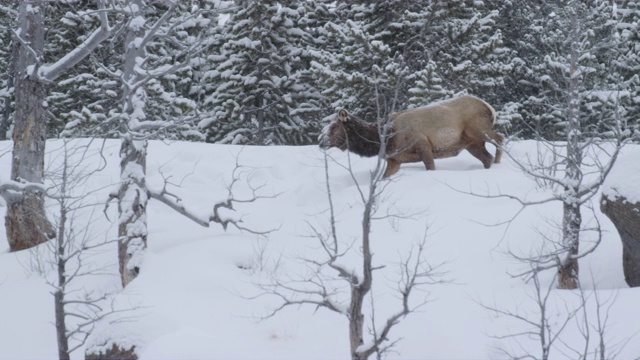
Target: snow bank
197 295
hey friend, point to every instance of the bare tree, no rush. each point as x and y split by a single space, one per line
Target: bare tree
71 256
574 169
26 221
542 328
319 289
548 318
224 213
133 125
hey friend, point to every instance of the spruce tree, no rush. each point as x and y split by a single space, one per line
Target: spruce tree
79 103
393 55
358 69
627 60
8 12
460 48
260 93
172 95
601 88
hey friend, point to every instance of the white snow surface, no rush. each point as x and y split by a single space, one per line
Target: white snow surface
197 296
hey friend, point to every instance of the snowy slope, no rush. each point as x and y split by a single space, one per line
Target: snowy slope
198 295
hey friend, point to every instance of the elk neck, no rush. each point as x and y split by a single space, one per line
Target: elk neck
363 138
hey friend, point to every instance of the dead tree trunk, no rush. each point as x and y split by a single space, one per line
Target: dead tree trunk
26 222
571 218
133 192
568 269
132 207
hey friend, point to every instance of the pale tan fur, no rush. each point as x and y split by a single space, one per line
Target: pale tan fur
442 130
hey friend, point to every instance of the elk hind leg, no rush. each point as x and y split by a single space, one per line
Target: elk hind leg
481 153
426 155
496 139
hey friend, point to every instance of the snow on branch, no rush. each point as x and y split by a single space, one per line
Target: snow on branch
9 11
53 71
13 191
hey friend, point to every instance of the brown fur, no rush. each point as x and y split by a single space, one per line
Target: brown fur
431 132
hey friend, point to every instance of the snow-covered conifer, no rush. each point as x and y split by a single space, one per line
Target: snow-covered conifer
627 59
579 101
259 93
8 13
407 54
457 48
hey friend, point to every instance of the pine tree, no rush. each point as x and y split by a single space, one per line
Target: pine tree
259 89
79 103
357 69
537 32
601 88
459 49
8 12
172 97
627 59
397 54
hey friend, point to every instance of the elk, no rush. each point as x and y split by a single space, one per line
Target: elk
435 131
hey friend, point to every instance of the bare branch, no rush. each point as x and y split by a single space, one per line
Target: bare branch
175 202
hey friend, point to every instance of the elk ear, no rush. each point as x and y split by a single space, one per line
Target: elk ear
343 115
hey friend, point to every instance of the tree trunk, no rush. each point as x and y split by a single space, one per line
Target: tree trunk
356 321
59 295
132 207
626 217
571 217
568 270
133 193
61 328
26 221
359 291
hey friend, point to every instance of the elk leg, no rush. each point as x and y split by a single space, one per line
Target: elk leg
481 153
497 139
426 155
392 167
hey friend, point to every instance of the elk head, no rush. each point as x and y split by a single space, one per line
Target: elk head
335 134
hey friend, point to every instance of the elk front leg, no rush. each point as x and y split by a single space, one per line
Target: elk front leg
392 167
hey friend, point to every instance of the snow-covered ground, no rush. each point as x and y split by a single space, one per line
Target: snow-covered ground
198 295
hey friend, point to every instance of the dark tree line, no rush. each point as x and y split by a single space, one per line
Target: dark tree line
275 69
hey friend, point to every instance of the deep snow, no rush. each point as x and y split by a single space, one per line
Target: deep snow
196 295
